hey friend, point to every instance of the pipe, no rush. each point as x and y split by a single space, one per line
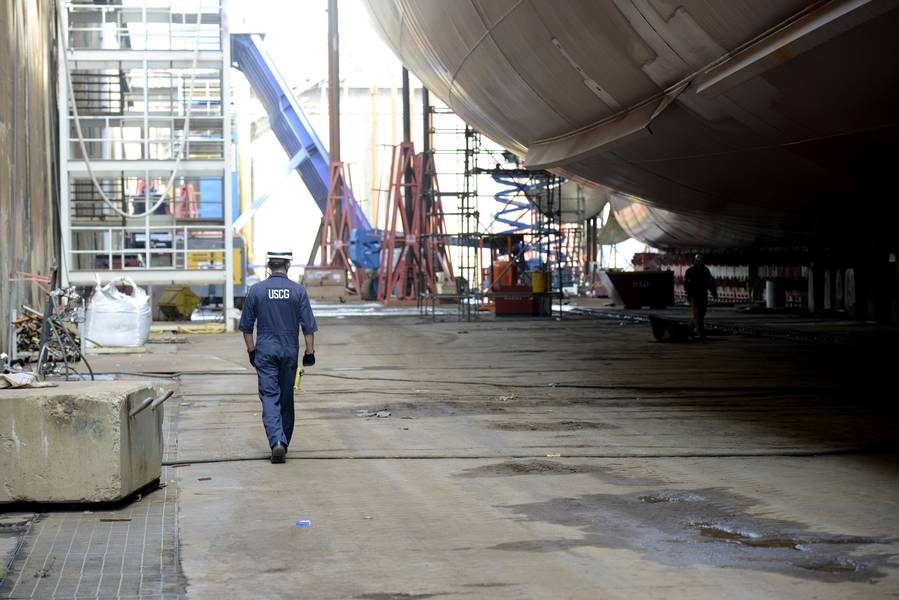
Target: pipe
333 83
425 120
407 109
161 399
144 405
152 403
407 138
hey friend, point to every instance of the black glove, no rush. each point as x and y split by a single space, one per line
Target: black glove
252 355
308 359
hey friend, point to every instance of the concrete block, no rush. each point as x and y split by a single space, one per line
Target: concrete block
76 442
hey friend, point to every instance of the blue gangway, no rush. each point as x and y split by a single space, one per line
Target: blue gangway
288 122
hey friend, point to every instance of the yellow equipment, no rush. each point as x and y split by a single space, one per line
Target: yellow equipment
296 381
177 302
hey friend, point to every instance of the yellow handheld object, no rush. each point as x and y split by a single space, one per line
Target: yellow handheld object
296 382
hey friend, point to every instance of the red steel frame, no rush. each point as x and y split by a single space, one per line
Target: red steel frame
414 246
394 274
337 223
436 239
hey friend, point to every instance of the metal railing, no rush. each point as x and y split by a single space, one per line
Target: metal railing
144 26
203 143
149 247
99 93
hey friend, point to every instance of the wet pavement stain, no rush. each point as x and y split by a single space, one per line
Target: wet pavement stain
400 596
530 467
552 426
708 527
670 496
549 467
608 474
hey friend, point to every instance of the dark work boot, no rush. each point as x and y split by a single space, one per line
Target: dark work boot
278 454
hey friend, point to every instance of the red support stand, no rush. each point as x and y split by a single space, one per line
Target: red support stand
436 239
337 223
399 245
415 245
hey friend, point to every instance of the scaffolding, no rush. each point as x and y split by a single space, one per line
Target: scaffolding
144 127
475 177
455 204
538 226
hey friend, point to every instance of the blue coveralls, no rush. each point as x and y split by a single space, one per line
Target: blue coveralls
279 308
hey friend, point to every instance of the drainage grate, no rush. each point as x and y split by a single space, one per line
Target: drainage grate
128 553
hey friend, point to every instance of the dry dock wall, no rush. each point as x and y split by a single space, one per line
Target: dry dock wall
28 150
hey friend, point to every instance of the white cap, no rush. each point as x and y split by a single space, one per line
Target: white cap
280 256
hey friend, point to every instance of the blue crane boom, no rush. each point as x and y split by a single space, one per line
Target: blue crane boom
288 122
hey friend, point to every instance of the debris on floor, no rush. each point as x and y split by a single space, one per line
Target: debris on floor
666 330
380 414
28 334
22 380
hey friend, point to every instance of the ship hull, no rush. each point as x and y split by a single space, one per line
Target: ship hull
733 124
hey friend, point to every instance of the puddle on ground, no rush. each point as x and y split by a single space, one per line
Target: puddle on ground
832 566
707 527
755 540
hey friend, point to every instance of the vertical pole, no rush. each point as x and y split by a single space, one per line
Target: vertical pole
65 217
407 173
373 203
333 83
407 111
425 120
230 163
8 247
425 273
333 123
407 138
394 138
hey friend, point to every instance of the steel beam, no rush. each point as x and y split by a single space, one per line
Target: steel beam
333 83
141 167
227 188
151 276
213 57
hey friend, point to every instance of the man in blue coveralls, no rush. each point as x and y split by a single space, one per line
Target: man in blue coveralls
279 308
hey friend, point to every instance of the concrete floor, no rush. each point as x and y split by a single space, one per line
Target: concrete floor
540 459
522 459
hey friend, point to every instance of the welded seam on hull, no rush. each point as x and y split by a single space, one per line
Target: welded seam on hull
564 150
819 138
751 59
489 34
433 58
487 31
689 78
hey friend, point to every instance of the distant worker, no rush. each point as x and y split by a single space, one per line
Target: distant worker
698 282
280 309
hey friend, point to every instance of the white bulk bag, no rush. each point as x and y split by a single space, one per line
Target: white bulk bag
115 319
